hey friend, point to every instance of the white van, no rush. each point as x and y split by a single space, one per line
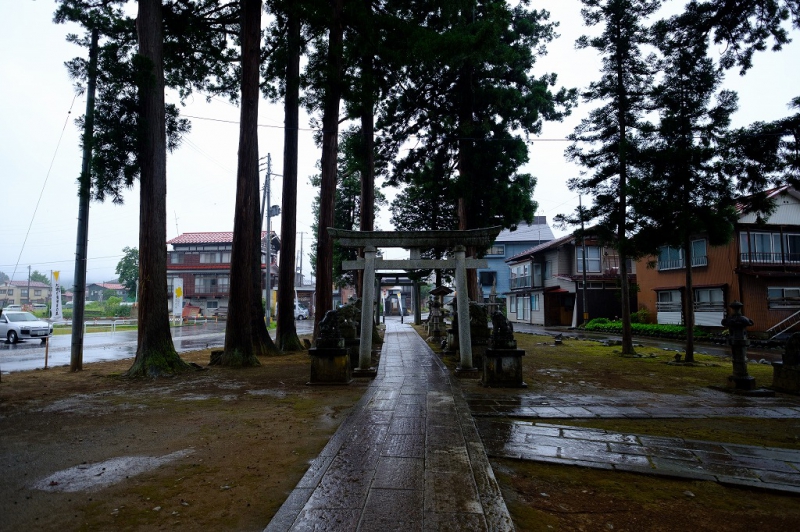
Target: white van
300 312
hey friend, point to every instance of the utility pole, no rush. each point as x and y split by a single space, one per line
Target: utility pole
29 286
84 193
269 237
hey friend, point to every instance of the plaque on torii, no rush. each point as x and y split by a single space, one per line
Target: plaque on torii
414 241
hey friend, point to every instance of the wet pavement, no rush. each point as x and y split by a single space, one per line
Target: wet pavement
413 453
738 465
407 458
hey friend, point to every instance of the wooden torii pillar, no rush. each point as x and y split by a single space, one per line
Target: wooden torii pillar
414 241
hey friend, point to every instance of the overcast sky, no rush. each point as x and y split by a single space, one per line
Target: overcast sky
40 156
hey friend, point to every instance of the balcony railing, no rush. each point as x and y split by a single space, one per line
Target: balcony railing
677 264
758 257
521 282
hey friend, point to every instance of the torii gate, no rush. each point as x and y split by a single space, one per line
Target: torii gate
414 241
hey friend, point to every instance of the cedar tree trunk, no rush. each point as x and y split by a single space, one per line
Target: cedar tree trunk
239 332
286 333
330 143
155 352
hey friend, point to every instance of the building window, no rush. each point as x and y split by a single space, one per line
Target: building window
23 292
699 253
671 258
537 275
512 304
709 300
523 308
223 282
770 247
2 291
37 292
212 304
487 278
497 249
669 301
11 291
215 257
783 297
592 259
534 302
520 276
176 257
548 269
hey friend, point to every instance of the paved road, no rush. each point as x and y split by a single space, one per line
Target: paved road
105 346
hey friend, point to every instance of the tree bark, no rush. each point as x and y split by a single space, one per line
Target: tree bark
622 239
155 352
286 333
330 141
688 300
367 221
466 169
246 250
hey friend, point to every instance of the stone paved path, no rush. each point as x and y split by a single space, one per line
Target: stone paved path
740 465
743 465
407 458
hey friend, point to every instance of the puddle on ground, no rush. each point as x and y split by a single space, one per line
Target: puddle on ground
91 477
278 394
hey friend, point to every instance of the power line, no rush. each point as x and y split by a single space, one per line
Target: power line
41 193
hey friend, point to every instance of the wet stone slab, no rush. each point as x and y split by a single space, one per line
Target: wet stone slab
400 473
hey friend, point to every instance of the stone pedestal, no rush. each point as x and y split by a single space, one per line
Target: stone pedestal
746 382
330 362
330 365
786 374
502 368
786 378
737 324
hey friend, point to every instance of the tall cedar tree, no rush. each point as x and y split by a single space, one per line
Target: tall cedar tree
286 38
155 352
192 44
741 28
349 200
684 195
467 92
605 142
331 99
286 334
240 331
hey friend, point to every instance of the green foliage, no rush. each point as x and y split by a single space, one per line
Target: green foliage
128 269
40 277
467 95
347 211
3 278
643 329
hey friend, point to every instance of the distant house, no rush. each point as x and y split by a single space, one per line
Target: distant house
547 288
760 268
17 293
507 244
203 261
97 291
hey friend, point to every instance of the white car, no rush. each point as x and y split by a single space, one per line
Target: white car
16 326
300 312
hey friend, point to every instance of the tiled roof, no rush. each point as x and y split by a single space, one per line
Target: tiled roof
770 193
33 284
111 286
219 237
